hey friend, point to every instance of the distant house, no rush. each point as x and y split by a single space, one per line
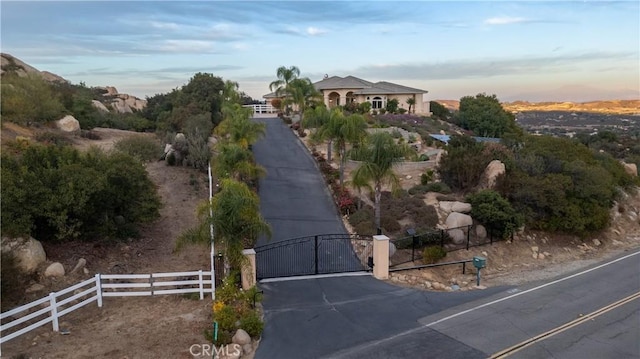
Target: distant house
339 91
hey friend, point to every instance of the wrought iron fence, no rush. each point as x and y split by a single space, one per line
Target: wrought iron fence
411 248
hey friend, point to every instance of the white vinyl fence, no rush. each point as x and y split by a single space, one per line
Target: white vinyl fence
51 308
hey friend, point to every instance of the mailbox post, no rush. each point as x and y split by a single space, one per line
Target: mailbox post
479 263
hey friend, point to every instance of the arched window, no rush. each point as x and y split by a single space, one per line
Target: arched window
376 103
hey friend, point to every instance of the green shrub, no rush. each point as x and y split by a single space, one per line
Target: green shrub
362 215
143 148
171 159
495 212
52 138
74 195
226 318
433 254
252 324
366 228
426 177
439 187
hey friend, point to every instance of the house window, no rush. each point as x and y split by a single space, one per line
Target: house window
376 103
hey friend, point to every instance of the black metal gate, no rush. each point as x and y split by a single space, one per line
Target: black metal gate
320 254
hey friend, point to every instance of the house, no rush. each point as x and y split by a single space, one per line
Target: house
338 91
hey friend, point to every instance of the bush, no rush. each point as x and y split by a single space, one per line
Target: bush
433 254
252 324
52 138
74 195
389 224
365 228
141 147
495 212
362 215
426 177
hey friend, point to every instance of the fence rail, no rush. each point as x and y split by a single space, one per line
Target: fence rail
28 317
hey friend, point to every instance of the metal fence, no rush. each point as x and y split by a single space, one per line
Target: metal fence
411 248
51 308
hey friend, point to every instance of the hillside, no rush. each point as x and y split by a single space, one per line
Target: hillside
619 107
108 100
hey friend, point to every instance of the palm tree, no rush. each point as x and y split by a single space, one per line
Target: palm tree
236 162
342 131
411 101
378 155
234 213
302 93
237 126
285 76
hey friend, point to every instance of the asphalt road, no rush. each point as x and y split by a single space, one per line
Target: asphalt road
491 325
293 196
324 317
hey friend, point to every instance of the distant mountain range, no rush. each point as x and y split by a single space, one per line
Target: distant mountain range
622 107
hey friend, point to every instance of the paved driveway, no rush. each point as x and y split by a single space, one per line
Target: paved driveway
324 317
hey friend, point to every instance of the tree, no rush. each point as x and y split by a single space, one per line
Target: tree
316 118
236 219
378 155
236 162
392 105
495 212
341 131
302 93
411 101
238 128
204 92
485 116
439 112
285 76
464 162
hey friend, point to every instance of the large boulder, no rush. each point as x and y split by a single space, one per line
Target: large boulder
630 168
54 270
457 220
461 207
241 337
457 236
494 169
100 106
68 124
481 231
121 106
28 252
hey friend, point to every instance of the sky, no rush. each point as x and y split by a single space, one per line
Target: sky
534 51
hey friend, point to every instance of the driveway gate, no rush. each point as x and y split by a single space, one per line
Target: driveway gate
320 254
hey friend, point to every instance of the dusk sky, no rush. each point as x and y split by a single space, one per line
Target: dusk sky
556 51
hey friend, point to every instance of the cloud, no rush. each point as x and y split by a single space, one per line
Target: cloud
164 25
464 69
504 20
313 31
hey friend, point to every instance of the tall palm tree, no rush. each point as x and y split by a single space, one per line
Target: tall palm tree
379 155
342 131
302 93
285 76
411 101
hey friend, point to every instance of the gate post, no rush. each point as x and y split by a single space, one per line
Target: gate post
249 269
381 257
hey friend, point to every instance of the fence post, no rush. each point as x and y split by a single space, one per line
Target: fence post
54 311
99 290
414 242
201 284
316 253
381 257
442 238
464 267
249 271
151 283
468 236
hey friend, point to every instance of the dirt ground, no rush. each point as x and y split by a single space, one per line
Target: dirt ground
167 326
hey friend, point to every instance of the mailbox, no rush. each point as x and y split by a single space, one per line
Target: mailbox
479 262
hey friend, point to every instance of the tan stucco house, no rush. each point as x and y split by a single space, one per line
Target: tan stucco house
338 91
